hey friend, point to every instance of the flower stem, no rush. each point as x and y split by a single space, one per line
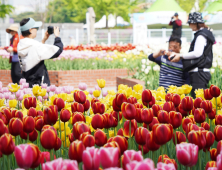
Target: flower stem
216 104
8 161
153 155
199 159
60 134
162 152
65 133
142 150
27 138
118 121
175 138
51 154
129 133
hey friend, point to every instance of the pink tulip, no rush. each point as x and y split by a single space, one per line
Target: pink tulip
105 93
22 81
24 155
48 89
53 165
146 164
40 98
44 86
90 91
219 161
46 96
11 97
82 86
25 85
163 166
1 96
7 95
69 165
19 169
131 155
20 98
58 90
212 168
109 157
113 169
52 88
90 158
97 87
18 93
5 89
187 154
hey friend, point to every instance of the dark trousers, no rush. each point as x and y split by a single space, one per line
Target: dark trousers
16 74
199 80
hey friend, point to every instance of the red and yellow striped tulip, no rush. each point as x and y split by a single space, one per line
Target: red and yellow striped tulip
80 97
77 107
162 133
76 150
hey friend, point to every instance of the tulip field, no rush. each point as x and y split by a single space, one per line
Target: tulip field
63 128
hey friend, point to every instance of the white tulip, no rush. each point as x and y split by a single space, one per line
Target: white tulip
124 59
214 64
212 70
143 61
146 71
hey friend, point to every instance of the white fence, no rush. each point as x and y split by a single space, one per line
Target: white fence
111 36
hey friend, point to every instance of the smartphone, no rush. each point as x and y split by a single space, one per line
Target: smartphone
50 30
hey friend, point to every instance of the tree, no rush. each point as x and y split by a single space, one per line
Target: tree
5 9
19 17
188 5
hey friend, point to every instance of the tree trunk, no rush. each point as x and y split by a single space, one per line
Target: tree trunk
106 21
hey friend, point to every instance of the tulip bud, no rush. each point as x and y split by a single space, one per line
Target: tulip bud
39 123
39 113
78 117
197 102
150 143
162 133
15 126
176 99
138 115
168 106
210 164
59 103
183 112
218 133
218 120
112 121
7 113
147 116
205 125
3 128
100 137
199 115
33 135
7 144
48 139
206 105
106 120
77 107
128 110
212 114
187 103
28 124
32 112
185 122
97 121
138 105
209 138
219 147
88 140
58 144
168 97
175 119
214 91
132 100
126 132
98 107
213 154
121 141
86 105
115 114
71 137
30 102
120 132
207 94
154 121
50 115
65 115
140 135
79 97
17 114
156 108
79 128
180 137
76 150
146 96
197 138
94 100
163 116
191 127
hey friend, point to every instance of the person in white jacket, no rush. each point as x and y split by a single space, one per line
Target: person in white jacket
33 53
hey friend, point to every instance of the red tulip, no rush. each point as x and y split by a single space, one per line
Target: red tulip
210 164
156 108
152 102
197 102
39 113
214 91
77 107
23 135
94 100
79 97
199 115
175 119
168 106
97 121
138 105
209 138
58 144
121 141
187 103
168 97
7 113
218 119
206 105
59 103
112 121
65 115
205 125
106 120
146 97
118 101
28 124
71 137
87 139
33 135
79 128
162 133
17 114
50 115
128 110
45 127
78 117
100 137
219 147
150 143
45 157
126 132
138 115
176 99
115 114
30 102
213 154
197 138
86 105
15 126
147 116
39 123
32 112
212 114
180 137
190 127
155 121
207 94
48 139
145 149
163 116
140 135
98 107
76 150
218 133
132 100
183 112
120 132
185 122
3 128
7 144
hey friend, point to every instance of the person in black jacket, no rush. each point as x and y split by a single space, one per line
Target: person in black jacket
200 57
177 26
33 53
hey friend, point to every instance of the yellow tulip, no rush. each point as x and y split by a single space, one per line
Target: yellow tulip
111 133
14 88
96 93
122 87
136 95
86 92
200 93
88 119
111 92
129 91
70 98
160 95
101 83
39 106
91 128
67 143
218 101
2 102
161 88
91 111
219 112
36 89
180 90
56 125
27 95
182 96
138 87
68 131
62 125
63 96
187 88
25 112
63 136
13 103
42 92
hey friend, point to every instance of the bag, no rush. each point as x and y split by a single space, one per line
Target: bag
193 63
10 59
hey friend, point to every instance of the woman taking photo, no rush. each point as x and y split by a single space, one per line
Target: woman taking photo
200 57
16 73
33 53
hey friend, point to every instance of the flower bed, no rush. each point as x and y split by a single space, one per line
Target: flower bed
131 129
